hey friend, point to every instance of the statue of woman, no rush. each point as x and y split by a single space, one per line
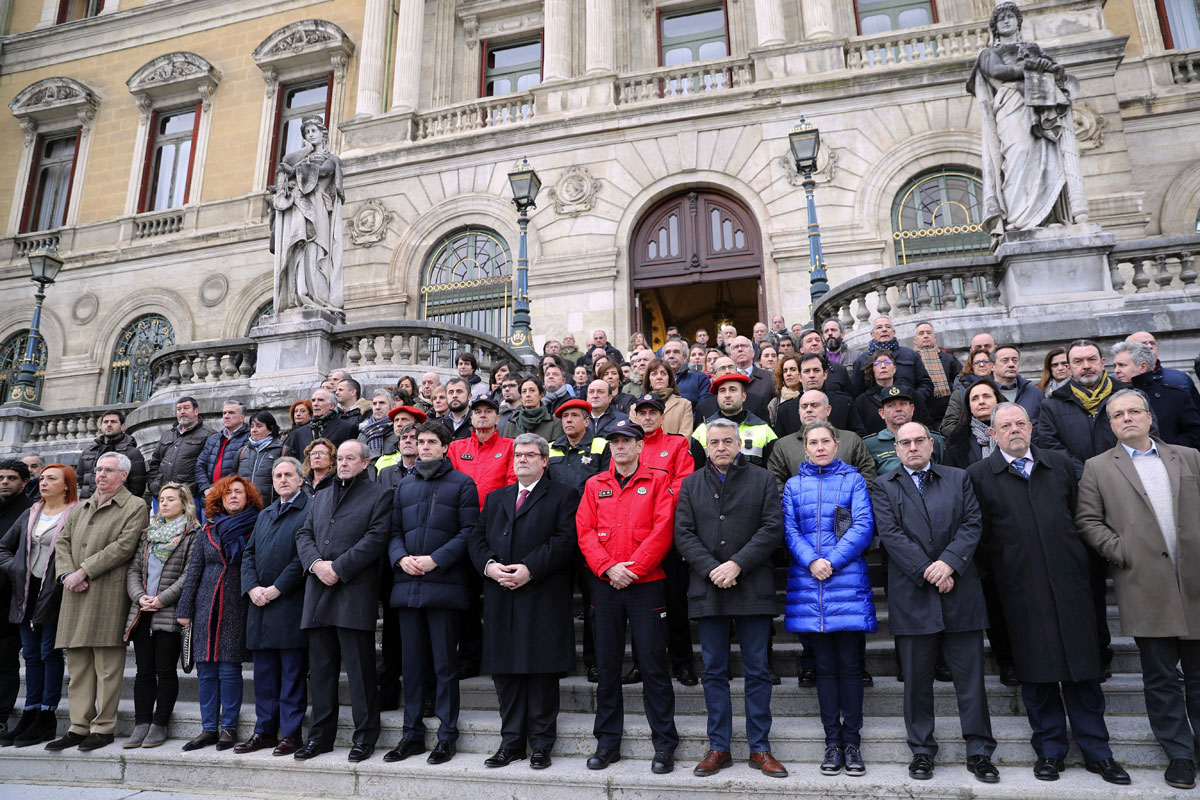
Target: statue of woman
306 230
1031 174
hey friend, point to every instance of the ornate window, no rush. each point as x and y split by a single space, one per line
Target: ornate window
511 66
72 10
50 182
265 310
939 215
468 281
170 159
297 101
696 237
12 353
129 380
1180 21
696 34
880 16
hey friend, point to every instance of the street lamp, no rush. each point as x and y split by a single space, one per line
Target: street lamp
525 186
44 265
805 140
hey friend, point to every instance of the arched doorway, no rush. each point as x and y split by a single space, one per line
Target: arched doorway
696 263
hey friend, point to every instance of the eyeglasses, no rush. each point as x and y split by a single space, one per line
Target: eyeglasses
983 363
883 362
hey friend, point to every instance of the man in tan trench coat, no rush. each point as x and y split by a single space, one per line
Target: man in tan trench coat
1139 507
91 557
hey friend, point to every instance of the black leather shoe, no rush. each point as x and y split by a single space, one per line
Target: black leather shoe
1047 769
1181 773
983 769
205 739
256 742
468 671
1008 675
834 760
540 759
95 741
867 678
69 739
942 673
807 679
503 758
921 767
311 750
773 677
686 676
663 762
603 757
360 752
593 674
855 767
443 752
226 740
1110 770
633 676
406 748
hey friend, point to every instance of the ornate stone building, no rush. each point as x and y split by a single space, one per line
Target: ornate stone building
143 134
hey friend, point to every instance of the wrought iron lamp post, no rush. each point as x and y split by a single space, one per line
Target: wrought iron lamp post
805 140
525 186
44 265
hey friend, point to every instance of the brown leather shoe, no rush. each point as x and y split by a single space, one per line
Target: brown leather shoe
766 762
713 763
287 746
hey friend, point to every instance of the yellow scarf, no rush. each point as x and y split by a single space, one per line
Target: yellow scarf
1092 400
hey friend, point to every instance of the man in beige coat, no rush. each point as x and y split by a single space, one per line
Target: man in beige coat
1139 507
92 554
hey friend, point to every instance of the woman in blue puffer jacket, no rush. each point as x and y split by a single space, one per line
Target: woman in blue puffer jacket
828 525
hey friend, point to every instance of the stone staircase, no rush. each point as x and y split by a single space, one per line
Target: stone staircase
797 740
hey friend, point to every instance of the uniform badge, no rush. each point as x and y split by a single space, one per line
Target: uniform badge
466 457
641 490
585 460
499 455
663 454
604 493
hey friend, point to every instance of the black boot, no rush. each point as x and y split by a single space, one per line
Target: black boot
42 730
10 735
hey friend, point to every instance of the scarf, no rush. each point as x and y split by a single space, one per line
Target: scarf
529 418
933 365
233 530
562 393
874 347
376 430
318 424
979 430
1091 400
786 394
663 394
164 536
428 469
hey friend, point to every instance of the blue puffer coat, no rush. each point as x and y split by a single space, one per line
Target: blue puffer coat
843 602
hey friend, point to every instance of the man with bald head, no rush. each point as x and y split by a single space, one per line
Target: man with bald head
815 374
983 340
762 382
604 415
600 339
1171 377
910 369
789 452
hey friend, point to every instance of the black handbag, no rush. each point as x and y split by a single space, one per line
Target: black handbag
186 660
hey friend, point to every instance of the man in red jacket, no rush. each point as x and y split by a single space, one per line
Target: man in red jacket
626 525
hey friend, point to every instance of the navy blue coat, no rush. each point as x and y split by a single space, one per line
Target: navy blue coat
207 460
691 385
1176 415
433 517
1066 426
910 371
270 559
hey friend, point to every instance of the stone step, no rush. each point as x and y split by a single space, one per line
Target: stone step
167 769
797 739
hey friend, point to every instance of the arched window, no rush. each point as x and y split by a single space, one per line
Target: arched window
468 281
129 381
939 215
265 310
12 353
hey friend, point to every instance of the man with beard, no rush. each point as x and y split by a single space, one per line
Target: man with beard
112 439
754 403
458 419
756 435
835 344
837 378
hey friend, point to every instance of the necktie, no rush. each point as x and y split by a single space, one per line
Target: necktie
920 476
1020 463
521 498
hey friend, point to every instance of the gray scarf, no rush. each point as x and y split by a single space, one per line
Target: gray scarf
980 431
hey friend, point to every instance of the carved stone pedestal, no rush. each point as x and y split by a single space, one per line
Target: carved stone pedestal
295 353
1054 266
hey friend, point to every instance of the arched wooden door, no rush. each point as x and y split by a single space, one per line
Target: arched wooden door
696 262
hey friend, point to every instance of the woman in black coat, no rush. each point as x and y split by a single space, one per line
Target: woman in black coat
970 441
273 580
260 453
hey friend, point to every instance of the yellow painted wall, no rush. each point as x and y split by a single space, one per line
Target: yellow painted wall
237 107
1119 16
26 14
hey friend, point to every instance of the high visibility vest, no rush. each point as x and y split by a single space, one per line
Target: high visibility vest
754 433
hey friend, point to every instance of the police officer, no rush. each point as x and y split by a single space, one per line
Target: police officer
756 435
896 407
625 524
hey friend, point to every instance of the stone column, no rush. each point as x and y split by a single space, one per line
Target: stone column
768 16
818 19
371 55
601 36
556 34
410 34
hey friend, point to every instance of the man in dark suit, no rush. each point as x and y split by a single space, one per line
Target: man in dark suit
340 546
524 542
326 423
815 374
1040 566
837 376
762 382
928 519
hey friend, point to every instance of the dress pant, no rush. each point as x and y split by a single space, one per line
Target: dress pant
430 637
280 691
10 665
679 632
528 710
1084 704
95 688
583 578
754 634
644 606
1097 578
328 647
156 685
839 685
964 656
1174 710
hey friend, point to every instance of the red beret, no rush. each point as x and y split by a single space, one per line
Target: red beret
726 378
417 413
582 405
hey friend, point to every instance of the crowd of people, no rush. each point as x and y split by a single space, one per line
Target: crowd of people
665 487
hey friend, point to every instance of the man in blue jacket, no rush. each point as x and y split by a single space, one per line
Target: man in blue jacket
219 457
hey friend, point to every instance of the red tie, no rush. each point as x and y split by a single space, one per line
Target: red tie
521 498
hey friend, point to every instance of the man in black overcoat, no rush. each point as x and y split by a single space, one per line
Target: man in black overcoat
524 543
928 519
340 545
1027 497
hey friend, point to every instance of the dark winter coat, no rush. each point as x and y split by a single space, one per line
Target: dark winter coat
206 463
218 618
910 371
85 470
271 559
739 519
14 570
174 459
1066 426
346 524
915 530
691 385
433 517
255 465
531 629
170 584
1176 415
1039 564
334 428
842 415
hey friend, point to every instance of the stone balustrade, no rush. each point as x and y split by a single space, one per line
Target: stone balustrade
29 242
1185 68
78 425
940 42
1154 265
684 80
202 363
149 226
487 112
410 345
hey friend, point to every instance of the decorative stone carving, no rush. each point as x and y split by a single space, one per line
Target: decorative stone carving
827 158
304 42
575 192
173 75
369 225
301 36
648 8
83 310
1089 126
55 100
471 30
213 289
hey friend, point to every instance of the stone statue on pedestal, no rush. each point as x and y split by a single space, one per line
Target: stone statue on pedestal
306 224
1031 172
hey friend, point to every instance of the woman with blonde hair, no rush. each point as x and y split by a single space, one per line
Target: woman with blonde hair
318 465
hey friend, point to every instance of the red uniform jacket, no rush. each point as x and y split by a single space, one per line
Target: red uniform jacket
672 454
635 523
489 464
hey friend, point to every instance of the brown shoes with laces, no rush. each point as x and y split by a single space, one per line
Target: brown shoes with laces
713 763
766 762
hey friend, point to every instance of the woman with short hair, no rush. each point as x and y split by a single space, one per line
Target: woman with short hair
318 465
258 455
